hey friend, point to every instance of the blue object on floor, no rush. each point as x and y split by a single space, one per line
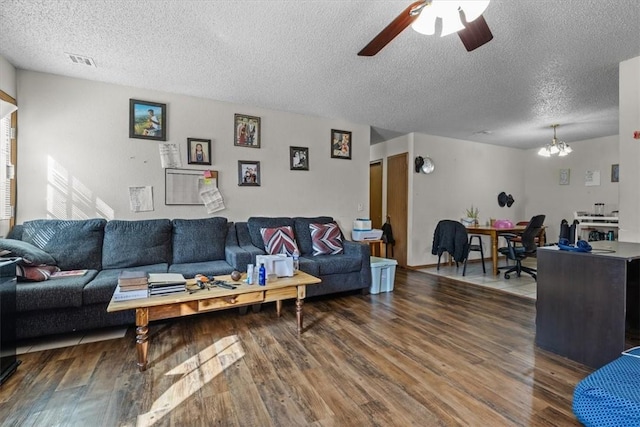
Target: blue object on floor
610 396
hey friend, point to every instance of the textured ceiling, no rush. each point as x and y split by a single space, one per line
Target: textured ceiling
550 61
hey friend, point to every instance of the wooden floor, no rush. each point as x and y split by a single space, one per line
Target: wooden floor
431 353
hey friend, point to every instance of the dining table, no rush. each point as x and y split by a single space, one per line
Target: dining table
494 233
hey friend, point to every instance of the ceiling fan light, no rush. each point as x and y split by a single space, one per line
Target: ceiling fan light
425 23
473 8
451 22
554 149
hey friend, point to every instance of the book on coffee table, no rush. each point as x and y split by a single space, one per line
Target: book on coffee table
125 295
164 279
132 277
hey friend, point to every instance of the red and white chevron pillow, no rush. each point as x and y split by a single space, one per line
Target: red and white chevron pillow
326 239
275 239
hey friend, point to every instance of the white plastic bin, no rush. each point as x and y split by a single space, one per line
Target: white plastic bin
383 273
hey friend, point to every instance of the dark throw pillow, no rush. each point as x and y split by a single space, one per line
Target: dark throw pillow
30 254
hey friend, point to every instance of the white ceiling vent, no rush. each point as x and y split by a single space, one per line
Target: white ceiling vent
82 60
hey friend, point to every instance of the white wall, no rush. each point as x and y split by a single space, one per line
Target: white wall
546 196
629 150
7 77
465 173
77 160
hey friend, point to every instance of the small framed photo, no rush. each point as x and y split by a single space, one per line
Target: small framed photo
248 173
340 144
564 176
198 151
615 173
147 120
247 131
299 158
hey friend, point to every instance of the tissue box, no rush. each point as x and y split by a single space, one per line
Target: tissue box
279 265
362 224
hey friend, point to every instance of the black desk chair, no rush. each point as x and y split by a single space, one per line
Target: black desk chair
520 247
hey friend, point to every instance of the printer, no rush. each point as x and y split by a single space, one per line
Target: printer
362 230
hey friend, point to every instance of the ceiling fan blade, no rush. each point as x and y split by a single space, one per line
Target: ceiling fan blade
475 34
390 32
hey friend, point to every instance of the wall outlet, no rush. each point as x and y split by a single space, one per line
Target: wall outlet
360 207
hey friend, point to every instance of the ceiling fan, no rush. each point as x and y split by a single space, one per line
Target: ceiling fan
463 17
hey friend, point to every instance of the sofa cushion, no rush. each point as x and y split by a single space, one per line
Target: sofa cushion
278 240
326 239
62 293
338 264
303 234
256 223
136 243
208 268
30 254
15 232
198 240
74 244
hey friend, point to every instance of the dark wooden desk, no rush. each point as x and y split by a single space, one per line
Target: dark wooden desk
585 301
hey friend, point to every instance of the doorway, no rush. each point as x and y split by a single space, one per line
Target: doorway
397 203
375 194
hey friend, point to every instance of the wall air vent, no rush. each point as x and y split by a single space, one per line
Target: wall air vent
82 60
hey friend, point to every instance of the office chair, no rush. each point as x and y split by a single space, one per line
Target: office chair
540 237
525 248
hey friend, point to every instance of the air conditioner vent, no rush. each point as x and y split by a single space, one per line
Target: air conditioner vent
82 60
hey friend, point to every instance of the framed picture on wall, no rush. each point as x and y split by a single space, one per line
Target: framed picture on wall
247 131
147 120
564 176
198 151
299 158
340 144
615 173
248 173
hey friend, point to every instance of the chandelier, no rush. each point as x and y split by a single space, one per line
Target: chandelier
560 148
449 12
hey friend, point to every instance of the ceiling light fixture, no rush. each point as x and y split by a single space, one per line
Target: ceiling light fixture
449 12
560 148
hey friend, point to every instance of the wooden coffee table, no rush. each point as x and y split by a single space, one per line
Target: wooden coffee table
212 299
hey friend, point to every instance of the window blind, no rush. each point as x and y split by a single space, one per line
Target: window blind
5 168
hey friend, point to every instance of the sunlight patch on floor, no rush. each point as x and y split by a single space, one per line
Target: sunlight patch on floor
194 373
68 340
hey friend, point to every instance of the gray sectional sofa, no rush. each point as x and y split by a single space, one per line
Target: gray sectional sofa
211 246
105 248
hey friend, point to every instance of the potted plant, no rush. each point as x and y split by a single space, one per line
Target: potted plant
472 217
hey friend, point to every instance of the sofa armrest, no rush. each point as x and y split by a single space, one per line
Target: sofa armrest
237 257
356 248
